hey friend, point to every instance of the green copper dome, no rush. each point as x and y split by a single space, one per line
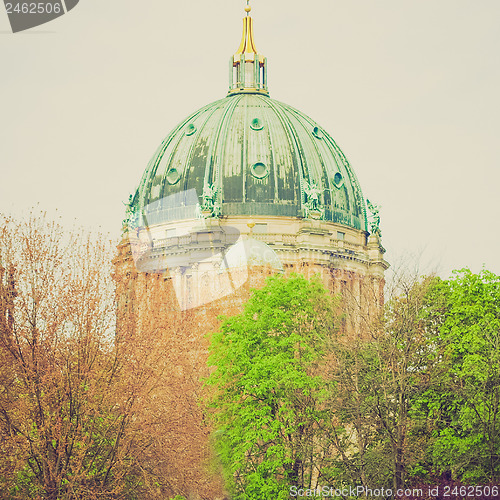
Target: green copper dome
248 155
253 156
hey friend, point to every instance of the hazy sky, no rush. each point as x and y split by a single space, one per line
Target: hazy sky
409 90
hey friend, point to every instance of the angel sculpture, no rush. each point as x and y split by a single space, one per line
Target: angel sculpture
375 218
312 195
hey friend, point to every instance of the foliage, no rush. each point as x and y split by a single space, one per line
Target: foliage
463 401
90 407
413 397
68 390
269 387
418 398
377 374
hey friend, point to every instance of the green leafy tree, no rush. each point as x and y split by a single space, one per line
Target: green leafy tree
463 402
376 377
268 388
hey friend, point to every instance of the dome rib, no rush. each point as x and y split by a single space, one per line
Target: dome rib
297 157
274 162
220 148
194 136
215 179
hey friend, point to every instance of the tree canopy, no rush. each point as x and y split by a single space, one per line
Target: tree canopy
463 399
270 388
413 399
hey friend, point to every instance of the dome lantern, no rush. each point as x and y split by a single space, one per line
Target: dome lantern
248 68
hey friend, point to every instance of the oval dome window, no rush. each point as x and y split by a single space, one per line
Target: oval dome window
259 170
173 176
317 133
190 129
338 179
256 124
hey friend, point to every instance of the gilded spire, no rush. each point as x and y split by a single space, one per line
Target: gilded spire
247 45
248 68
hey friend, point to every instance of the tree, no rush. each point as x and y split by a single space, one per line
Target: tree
376 376
69 390
463 400
268 388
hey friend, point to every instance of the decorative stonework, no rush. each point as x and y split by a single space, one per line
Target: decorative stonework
374 219
210 207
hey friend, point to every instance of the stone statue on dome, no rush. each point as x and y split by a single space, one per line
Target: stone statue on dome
312 195
375 218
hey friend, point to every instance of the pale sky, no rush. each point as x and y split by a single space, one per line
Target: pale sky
409 90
